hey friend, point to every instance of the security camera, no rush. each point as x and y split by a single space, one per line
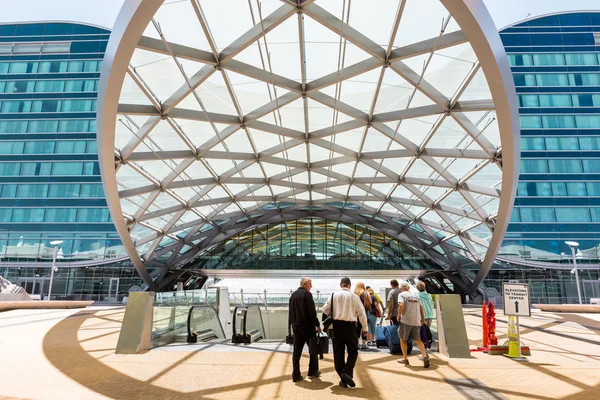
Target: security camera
573 271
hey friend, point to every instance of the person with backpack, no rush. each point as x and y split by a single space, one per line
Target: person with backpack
370 304
426 302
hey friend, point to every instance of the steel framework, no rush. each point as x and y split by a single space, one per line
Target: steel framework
172 201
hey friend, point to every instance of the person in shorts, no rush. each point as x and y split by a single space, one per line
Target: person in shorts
412 317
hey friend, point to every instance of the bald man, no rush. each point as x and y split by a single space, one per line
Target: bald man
303 319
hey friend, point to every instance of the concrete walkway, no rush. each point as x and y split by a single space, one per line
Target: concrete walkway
69 354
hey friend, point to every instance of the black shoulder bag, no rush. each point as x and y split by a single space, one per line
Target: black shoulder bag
328 322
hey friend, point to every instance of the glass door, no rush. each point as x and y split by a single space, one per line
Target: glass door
113 289
591 289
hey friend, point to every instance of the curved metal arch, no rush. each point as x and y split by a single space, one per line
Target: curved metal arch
477 24
478 29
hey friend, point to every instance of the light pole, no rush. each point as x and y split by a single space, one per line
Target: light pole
573 246
56 244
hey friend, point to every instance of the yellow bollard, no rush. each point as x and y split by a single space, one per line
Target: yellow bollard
513 340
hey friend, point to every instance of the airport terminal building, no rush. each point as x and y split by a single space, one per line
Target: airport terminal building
228 156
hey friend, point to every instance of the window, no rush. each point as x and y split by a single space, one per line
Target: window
66 190
537 214
562 143
532 143
52 66
39 147
9 169
49 86
92 215
530 121
584 79
528 100
534 166
524 79
588 121
572 214
67 168
552 80
591 166
558 121
61 215
565 166
28 215
559 189
576 189
520 59
32 191
91 190
581 59
555 100
593 188
548 59
70 147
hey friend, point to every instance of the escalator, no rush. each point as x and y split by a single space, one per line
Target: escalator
248 326
203 324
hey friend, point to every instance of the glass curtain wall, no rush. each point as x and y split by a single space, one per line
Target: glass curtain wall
556 67
50 184
313 243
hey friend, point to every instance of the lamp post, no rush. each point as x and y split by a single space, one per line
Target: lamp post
56 244
573 246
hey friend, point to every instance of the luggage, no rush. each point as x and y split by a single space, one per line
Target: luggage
318 345
380 336
393 340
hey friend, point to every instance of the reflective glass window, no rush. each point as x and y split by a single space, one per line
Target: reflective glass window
52 66
92 215
593 188
73 125
520 59
555 100
48 86
534 166
61 215
32 191
576 189
583 100
588 121
4 67
548 59
70 146
532 143
10 168
591 166
67 168
581 59
562 143
13 126
558 121
75 66
39 147
552 80
77 105
90 66
18 68
524 80
528 100
565 166
66 190
584 79
8 191
530 121
537 214
572 214
36 126
595 212
559 189
6 214
91 147
11 147
28 215
91 190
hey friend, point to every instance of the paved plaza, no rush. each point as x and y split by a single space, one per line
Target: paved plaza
69 354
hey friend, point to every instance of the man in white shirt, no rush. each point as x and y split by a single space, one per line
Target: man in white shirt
347 308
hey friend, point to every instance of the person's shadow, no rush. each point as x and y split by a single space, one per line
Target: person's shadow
314 384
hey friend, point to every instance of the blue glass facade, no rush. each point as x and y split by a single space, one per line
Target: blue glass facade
50 184
49 176
556 68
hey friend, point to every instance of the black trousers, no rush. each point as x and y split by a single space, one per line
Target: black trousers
301 337
394 321
345 338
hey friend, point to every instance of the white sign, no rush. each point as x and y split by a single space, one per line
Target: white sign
516 299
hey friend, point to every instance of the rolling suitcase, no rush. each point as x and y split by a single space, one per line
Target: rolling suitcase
380 336
393 340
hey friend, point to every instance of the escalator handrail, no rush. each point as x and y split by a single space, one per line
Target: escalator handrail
189 319
262 325
234 324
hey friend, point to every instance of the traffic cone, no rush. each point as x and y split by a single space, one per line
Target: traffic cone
513 341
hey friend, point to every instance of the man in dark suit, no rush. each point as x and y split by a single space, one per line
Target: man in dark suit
303 319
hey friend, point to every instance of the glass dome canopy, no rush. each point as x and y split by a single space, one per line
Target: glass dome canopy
213 122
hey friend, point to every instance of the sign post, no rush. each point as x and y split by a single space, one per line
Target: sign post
516 304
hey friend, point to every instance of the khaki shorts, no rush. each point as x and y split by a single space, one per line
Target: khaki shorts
409 332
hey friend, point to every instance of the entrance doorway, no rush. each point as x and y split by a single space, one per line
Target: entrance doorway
35 286
113 289
591 289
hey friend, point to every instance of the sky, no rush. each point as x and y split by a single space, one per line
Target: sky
104 12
